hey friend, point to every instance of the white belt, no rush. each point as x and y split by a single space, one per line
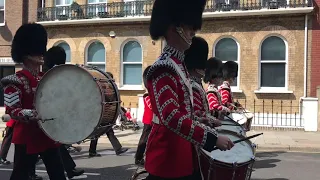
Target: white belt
155 119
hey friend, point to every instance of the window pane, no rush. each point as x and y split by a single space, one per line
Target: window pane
66 48
273 75
273 48
102 67
132 52
5 71
227 50
132 74
1 4
235 82
1 16
92 1
96 52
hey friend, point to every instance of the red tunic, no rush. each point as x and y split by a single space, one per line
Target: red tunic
170 149
147 114
10 123
201 107
226 95
214 98
128 115
19 92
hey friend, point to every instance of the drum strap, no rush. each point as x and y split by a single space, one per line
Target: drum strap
186 82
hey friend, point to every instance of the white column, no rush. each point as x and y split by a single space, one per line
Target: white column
310 113
140 109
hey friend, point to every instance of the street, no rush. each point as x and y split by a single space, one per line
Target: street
268 166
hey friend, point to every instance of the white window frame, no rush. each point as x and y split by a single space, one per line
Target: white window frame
61 5
235 89
133 7
97 9
129 87
4 13
57 44
274 89
95 63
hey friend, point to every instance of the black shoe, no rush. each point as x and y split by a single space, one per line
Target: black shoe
74 173
139 162
35 177
121 151
5 162
94 155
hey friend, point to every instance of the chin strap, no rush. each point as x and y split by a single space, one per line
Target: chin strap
183 35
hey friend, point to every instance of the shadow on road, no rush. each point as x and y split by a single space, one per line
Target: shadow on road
267 159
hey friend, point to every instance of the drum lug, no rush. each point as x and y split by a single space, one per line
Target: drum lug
111 102
101 80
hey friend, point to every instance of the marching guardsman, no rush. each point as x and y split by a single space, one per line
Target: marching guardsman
147 123
196 62
171 152
230 73
213 77
28 48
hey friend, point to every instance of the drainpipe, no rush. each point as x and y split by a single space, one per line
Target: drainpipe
305 55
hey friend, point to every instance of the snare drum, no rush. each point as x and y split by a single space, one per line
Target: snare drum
84 101
235 164
236 127
249 117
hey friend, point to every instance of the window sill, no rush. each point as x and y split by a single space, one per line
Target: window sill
131 88
272 91
2 24
236 90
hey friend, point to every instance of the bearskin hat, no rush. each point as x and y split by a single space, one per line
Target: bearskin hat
54 56
196 56
29 40
175 12
213 69
145 72
230 70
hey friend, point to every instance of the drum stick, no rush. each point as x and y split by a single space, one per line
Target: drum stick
244 139
7 117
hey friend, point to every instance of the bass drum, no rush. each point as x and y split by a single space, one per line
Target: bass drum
84 102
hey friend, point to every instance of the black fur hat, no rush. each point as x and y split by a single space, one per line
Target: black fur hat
230 70
175 12
145 72
213 70
196 56
29 40
54 56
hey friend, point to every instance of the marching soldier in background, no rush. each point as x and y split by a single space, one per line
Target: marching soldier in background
6 142
28 47
57 56
171 152
230 73
213 77
196 63
147 123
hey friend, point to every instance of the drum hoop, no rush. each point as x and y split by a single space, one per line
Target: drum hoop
229 120
113 85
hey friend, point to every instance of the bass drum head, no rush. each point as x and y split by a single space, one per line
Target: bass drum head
69 94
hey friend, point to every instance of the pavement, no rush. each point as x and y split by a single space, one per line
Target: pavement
296 141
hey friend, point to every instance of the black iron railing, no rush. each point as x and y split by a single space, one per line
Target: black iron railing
275 113
144 8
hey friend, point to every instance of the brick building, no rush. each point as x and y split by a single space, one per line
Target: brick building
271 41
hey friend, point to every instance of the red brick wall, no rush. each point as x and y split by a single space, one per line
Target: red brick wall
315 50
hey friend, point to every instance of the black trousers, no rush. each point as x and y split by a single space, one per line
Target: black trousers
24 162
194 176
143 142
67 160
112 138
6 143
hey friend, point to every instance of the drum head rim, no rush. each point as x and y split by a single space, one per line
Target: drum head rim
35 96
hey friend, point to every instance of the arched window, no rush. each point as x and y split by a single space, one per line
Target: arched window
227 49
273 62
132 64
96 55
66 48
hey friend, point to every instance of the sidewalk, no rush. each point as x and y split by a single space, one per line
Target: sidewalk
270 140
